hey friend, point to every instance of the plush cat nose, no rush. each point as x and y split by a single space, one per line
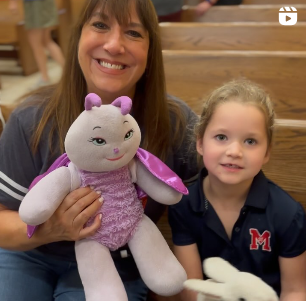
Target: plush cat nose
116 150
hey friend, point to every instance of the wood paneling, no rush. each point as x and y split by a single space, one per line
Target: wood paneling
241 13
233 36
279 2
190 75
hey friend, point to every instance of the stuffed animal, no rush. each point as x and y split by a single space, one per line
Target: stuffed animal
229 284
103 147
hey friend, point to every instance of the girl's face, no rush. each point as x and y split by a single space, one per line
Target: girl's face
234 146
113 57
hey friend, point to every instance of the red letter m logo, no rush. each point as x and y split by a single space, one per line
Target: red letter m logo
257 239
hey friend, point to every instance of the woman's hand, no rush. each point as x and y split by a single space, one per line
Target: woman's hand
67 222
13 7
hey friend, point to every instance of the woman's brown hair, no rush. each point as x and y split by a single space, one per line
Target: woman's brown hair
151 108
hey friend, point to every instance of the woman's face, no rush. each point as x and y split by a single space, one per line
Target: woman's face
113 57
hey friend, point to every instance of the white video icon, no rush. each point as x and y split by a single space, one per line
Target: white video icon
287 16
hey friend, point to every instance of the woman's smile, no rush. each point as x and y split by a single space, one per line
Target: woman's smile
111 67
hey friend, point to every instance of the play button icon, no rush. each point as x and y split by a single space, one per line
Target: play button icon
287 16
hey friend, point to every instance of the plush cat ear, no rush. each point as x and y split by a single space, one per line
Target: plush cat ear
92 100
123 102
219 269
211 290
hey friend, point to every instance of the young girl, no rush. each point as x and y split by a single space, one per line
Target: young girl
233 211
114 50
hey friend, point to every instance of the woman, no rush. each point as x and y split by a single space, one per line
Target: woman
114 50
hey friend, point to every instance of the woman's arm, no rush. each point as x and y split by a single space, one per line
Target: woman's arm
189 258
293 278
65 224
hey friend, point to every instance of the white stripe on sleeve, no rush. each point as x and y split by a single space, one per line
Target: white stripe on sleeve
12 183
11 192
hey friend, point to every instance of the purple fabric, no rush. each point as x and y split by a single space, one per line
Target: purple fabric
161 171
122 210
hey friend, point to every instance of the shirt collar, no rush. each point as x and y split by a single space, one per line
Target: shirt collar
257 196
259 192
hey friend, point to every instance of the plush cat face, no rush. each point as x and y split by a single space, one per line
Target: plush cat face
103 137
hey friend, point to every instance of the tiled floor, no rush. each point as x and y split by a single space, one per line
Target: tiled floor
14 86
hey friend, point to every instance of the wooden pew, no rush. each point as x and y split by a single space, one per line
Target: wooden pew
240 13
192 74
279 2
233 36
287 165
13 34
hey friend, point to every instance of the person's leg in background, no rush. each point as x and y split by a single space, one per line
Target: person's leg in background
35 37
40 18
53 48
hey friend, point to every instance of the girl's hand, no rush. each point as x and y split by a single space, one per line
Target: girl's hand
67 222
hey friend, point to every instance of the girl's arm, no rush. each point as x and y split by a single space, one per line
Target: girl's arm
65 224
293 278
189 258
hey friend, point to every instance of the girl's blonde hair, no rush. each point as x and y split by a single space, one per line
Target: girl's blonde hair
151 108
242 91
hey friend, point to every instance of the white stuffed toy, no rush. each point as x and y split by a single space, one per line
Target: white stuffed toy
229 284
103 147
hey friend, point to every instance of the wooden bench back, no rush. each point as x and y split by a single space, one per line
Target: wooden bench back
8 21
233 36
287 165
240 13
192 74
278 2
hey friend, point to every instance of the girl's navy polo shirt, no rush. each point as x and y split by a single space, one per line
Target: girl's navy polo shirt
271 224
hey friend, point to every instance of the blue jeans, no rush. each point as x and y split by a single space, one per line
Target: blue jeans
31 275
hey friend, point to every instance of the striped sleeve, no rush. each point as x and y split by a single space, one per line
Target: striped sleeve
17 166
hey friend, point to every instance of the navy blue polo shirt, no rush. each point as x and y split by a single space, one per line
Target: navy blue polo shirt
270 224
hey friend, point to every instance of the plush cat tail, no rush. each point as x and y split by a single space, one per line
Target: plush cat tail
123 102
92 100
